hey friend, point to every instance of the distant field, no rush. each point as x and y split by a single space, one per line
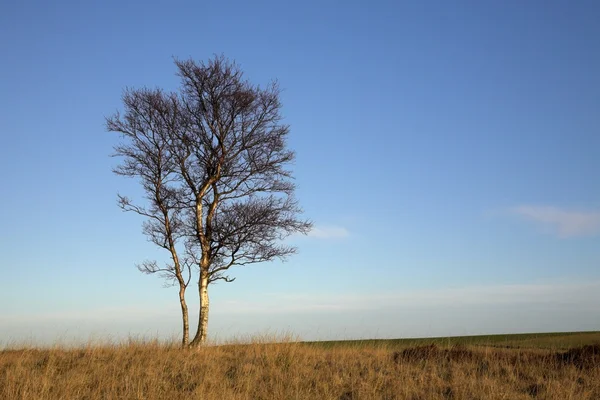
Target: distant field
554 341
531 366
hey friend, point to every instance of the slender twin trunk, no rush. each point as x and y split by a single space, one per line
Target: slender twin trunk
202 331
204 235
184 316
185 340
182 284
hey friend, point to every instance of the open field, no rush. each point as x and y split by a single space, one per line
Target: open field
551 341
540 366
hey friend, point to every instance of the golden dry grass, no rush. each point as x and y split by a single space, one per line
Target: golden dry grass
296 370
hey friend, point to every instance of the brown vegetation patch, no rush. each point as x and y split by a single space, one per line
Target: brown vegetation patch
585 357
534 389
433 352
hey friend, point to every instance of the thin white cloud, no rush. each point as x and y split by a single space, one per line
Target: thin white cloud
582 294
561 222
469 310
328 232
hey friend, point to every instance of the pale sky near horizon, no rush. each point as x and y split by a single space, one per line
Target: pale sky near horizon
447 152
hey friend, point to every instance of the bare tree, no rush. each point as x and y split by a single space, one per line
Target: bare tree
148 113
228 185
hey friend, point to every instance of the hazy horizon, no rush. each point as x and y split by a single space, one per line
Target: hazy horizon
445 312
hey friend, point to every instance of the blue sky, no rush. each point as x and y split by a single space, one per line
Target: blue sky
447 153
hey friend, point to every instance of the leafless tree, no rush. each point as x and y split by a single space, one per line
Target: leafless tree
148 113
226 189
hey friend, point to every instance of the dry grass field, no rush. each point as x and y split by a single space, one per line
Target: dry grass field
550 366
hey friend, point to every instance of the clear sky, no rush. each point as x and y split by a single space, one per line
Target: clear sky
447 151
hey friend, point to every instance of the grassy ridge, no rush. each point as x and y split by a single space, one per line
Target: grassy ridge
423 369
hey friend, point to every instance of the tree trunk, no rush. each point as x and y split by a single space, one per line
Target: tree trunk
184 316
200 337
